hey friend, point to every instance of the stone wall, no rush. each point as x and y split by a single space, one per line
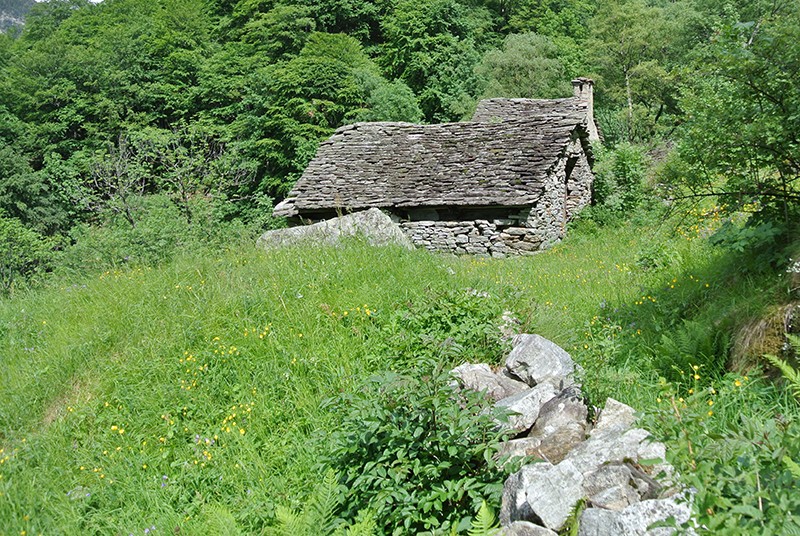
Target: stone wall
572 460
496 238
579 185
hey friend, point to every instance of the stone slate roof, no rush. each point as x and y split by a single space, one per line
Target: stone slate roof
486 162
498 110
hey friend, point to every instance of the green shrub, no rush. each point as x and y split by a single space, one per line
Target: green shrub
23 253
456 324
159 230
620 174
159 233
416 451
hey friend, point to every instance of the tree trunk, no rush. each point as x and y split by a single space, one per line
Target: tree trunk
630 103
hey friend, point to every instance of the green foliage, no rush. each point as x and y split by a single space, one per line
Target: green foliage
620 177
485 522
554 17
391 102
281 32
358 19
528 66
416 451
689 343
636 48
789 373
319 514
738 455
24 254
297 103
433 47
455 324
740 139
760 239
159 232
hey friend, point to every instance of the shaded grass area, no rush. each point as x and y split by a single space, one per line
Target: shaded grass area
191 395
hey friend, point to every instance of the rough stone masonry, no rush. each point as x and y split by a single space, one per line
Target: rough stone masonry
616 469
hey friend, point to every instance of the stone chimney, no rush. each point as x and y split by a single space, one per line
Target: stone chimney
583 89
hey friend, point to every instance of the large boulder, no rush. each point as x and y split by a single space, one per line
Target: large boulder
542 493
374 226
519 448
560 427
615 486
535 360
615 416
523 528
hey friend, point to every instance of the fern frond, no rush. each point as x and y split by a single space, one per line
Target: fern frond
290 522
789 373
321 509
572 523
791 527
485 522
217 519
365 525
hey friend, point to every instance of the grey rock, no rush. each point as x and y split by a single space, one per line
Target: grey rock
635 519
480 378
524 528
615 416
508 329
546 494
611 487
519 448
560 427
374 226
535 359
604 448
542 493
524 407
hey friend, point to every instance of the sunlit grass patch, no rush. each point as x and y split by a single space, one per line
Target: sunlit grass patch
191 394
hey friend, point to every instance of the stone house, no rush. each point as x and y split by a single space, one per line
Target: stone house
506 182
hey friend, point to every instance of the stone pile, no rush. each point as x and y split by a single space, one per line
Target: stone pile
617 470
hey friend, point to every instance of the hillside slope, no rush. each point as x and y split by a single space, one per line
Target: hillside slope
191 396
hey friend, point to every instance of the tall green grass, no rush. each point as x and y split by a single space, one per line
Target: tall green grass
190 395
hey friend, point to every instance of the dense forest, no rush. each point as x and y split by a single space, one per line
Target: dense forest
218 105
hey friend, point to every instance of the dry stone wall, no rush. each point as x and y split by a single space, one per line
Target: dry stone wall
575 460
480 237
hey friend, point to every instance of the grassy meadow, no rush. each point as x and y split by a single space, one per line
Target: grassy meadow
188 398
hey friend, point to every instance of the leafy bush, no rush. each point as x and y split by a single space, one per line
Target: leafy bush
756 237
23 253
417 452
451 324
528 66
391 101
620 177
159 230
319 514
